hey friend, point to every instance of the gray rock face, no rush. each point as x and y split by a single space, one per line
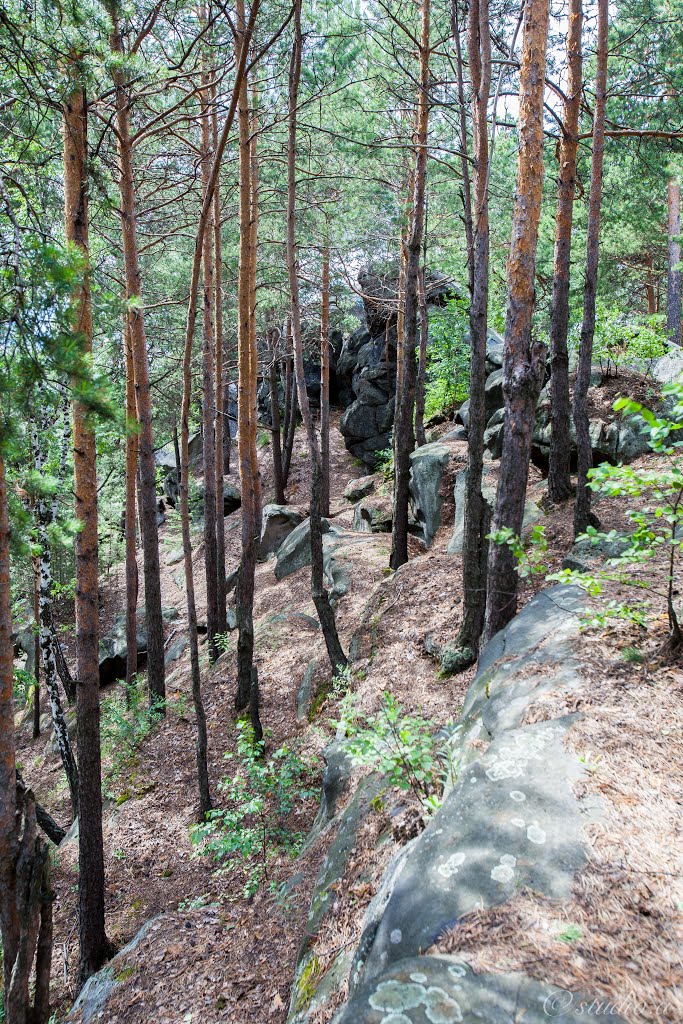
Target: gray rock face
427 466
359 488
295 551
617 440
367 363
98 988
488 487
421 990
510 821
278 521
369 518
232 499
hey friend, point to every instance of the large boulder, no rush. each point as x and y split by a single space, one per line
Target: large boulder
277 522
427 466
295 551
232 498
114 649
488 490
359 488
375 517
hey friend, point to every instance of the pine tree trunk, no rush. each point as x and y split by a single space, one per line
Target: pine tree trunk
477 512
147 466
222 422
524 360
290 405
276 438
420 437
464 149
404 438
246 425
36 647
200 716
582 511
91 886
25 896
211 517
559 479
318 592
325 379
674 276
130 529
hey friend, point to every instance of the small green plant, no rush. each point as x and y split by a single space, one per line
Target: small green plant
385 463
127 719
225 642
657 524
404 749
261 795
529 554
24 685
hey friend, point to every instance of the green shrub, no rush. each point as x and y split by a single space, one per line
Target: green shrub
623 339
261 795
126 720
403 748
448 352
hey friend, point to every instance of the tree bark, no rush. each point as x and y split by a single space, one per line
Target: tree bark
222 423
211 517
130 529
674 276
276 437
246 403
582 511
420 437
25 896
559 478
36 646
477 512
290 405
318 592
524 359
404 438
464 161
147 467
325 377
91 886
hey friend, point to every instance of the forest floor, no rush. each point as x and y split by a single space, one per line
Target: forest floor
212 954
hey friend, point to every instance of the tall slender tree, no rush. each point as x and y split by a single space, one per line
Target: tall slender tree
674 301
318 592
404 437
92 936
584 455
524 358
559 479
477 512
147 466
211 516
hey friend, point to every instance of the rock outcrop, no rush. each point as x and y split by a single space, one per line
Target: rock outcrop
512 820
366 368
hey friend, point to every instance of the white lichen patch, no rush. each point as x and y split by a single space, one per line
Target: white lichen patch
396 936
512 759
451 865
518 822
457 970
504 871
440 1008
517 796
396 996
535 834
396 1018
418 977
